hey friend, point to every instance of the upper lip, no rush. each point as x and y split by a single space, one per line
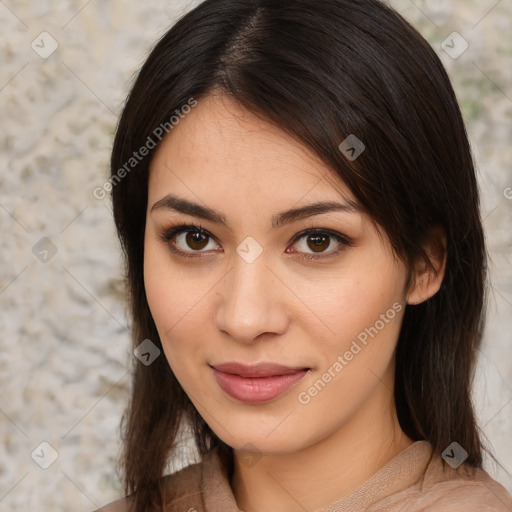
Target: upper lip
256 370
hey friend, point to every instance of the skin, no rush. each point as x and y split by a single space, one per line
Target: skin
281 308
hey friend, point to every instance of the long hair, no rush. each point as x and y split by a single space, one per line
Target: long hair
321 71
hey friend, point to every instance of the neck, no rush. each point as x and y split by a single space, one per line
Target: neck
320 474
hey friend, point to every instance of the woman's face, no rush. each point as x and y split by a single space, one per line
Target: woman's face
307 300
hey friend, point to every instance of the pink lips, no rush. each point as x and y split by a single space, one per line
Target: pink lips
258 383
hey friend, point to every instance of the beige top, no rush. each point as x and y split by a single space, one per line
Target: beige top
408 483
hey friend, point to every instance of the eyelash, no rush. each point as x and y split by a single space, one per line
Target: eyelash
168 234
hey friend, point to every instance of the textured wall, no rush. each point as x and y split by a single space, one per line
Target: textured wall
64 347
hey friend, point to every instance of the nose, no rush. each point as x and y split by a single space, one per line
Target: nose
251 303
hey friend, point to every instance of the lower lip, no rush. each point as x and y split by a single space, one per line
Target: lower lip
257 390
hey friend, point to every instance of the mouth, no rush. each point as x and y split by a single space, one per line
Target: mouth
259 383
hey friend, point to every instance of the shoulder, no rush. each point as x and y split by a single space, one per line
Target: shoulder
464 489
183 483
177 489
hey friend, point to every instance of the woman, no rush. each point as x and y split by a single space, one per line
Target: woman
296 199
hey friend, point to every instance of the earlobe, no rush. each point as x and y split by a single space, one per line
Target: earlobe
429 274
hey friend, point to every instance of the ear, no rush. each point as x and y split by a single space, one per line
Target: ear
428 275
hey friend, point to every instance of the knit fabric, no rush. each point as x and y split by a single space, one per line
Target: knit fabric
408 483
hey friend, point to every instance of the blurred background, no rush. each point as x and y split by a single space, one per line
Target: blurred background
65 70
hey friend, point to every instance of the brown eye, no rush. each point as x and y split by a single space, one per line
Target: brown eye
196 240
318 243
189 241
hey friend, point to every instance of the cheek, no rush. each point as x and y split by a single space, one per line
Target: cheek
358 314
355 357
177 301
345 305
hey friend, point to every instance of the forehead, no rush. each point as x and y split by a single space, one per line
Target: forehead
220 149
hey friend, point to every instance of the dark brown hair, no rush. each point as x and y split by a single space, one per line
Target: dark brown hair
321 71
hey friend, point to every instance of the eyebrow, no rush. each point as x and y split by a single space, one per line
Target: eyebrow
181 205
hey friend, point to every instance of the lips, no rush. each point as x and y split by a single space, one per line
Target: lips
256 383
